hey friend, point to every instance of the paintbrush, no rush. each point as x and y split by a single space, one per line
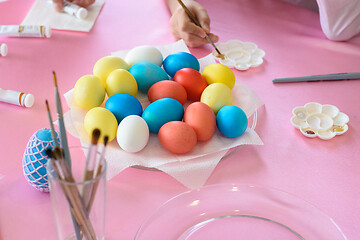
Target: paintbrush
325 77
64 143
77 207
98 169
101 161
53 134
90 167
191 16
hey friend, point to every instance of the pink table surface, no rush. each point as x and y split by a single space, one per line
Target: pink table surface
324 173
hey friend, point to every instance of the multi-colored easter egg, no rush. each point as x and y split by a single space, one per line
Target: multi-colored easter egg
35 159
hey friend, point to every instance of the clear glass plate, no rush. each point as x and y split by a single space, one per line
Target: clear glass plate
238 212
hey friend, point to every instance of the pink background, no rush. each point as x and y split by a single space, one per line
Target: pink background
324 173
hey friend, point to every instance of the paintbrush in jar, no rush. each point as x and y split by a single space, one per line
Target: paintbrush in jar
64 143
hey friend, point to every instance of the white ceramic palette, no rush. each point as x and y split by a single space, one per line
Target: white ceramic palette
240 55
316 120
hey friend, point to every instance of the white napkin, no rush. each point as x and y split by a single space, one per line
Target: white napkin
43 13
191 169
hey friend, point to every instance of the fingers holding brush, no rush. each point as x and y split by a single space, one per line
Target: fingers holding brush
191 23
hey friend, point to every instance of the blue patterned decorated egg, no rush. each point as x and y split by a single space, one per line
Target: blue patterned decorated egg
35 159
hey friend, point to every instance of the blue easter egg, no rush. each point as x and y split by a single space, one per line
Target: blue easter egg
123 105
231 121
35 159
175 62
162 111
146 74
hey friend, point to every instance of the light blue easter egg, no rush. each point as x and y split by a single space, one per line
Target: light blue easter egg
35 159
231 121
176 61
146 74
162 111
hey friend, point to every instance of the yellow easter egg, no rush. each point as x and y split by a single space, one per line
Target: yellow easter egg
104 66
102 119
121 81
216 96
219 73
89 92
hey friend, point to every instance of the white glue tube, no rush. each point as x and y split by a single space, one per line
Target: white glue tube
17 98
75 10
25 31
3 50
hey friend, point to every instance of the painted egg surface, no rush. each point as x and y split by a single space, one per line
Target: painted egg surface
219 73
176 61
102 119
167 89
123 105
216 96
202 119
177 137
89 92
105 65
121 81
192 81
231 121
146 74
35 159
162 111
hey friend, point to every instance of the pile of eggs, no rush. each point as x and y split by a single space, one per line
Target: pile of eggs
170 84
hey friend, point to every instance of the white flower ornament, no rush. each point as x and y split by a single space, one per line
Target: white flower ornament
240 55
316 120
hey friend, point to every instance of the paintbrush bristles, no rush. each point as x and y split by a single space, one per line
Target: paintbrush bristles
106 139
58 153
55 81
49 152
95 136
47 105
53 134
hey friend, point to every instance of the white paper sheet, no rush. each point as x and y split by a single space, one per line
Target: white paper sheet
43 13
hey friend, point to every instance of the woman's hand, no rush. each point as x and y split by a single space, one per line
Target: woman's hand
183 28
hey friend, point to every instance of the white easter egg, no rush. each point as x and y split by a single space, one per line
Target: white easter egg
144 54
133 133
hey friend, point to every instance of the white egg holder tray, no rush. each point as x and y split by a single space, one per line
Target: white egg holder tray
239 55
316 120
